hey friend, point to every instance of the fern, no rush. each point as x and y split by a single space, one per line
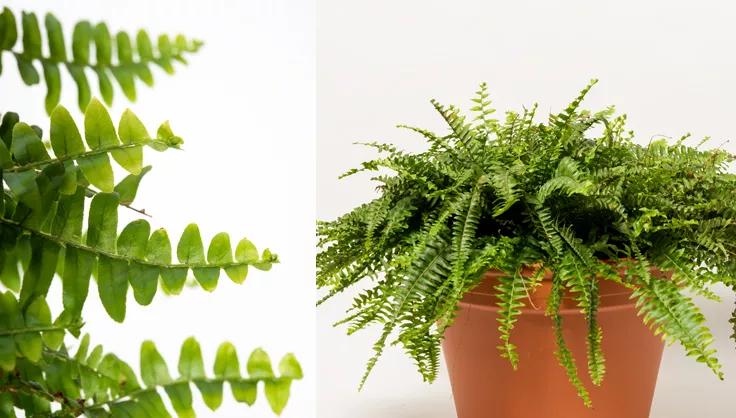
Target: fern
575 194
59 215
117 58
563 354
510 294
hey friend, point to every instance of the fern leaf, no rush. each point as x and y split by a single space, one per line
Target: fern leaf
676 317
114 56
563 353
510 292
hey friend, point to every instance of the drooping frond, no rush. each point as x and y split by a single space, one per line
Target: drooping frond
117 57
670 313
563 353
511 291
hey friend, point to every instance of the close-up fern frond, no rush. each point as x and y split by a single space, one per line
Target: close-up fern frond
123 57
59 229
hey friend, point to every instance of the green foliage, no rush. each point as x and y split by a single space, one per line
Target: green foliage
97 384
59 215
116 58
574 195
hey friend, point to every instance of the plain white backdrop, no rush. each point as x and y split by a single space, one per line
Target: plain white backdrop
245 108
668 64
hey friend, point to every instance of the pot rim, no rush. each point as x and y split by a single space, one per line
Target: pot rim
542 311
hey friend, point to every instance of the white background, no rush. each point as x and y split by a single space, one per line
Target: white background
670 65
245 107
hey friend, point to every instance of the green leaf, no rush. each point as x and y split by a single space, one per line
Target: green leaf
191 366
211 393
112 284
37 315
246 252
106 89
131 131
24 187
132 243
180 395
125 49
259 365
159 251
78 267
7 353
167 136
9 35
27 70
99 131
80 79
82 349
65 137
55 34
219 251
144 281
31 36
128 187
154 371
9 275
277 393
103 44
143 42
53 84
144 73
126 79
103 222
69 216
227 365
133 239
27 146
6 127
290 368
81 38
41 270
54 339
190 249
244 391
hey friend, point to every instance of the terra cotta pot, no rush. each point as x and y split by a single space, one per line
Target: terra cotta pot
484 385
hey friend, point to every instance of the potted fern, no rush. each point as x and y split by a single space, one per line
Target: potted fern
59 221
516 244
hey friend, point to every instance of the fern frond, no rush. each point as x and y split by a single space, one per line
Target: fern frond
511 291
51 196
460 128
563 353
670 313
106 386
505 185
116 58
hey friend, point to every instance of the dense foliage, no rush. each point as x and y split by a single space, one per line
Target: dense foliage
568 194
51 190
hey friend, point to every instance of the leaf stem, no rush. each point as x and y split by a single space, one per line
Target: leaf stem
96 251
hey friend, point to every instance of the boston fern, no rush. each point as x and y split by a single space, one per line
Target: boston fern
130 62
52 189
574 195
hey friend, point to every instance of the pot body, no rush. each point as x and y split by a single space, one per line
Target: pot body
484 385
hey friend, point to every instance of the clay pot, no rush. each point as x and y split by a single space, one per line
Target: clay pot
484 385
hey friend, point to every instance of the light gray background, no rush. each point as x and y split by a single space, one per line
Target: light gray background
245 108
668 64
